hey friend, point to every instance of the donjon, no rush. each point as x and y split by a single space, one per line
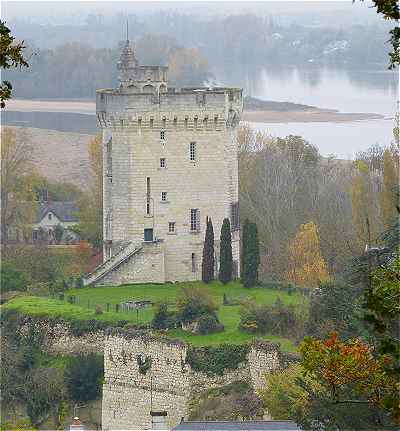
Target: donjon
170 160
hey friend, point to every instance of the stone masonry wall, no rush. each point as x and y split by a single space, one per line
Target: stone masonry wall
147 266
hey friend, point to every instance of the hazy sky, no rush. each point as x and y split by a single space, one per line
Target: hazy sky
75 12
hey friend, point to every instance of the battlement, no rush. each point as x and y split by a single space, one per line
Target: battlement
201 108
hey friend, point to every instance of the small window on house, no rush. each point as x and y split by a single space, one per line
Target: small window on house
34 235
194 263
195 220
186 122
164 196
50 216
171 227
151 123
162 135
192 151
162 163
195 122
175 121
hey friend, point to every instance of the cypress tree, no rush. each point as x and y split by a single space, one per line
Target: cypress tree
251 254
225 256
207 267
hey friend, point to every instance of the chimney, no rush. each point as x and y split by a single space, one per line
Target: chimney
159 420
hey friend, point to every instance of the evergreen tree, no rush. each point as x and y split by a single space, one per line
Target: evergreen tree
251 254
207 274
225 256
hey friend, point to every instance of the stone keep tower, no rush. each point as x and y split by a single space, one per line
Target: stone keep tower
169 161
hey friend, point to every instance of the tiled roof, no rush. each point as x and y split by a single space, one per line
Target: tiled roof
237 425
65 211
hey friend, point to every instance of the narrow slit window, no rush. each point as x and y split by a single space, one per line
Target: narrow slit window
163 163
148 195
194 263
205 122
151 123
192 151
186 122
139 123
195 122
175 121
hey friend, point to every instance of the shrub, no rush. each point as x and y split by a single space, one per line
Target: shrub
277 319
13 279
194 302
162 318
83 377
98 309
214 360
208 324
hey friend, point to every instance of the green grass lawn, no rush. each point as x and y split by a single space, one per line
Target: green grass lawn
88 298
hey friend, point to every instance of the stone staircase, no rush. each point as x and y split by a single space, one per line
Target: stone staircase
109 265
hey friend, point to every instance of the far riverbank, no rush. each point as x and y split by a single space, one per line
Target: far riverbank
259 112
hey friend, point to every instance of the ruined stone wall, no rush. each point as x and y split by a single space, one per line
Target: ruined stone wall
170 383
144 372
130 393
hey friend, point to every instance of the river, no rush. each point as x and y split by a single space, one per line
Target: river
361 91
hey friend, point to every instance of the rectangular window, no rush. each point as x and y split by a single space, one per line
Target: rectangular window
195 220
192 151
151 123
162 135
205 122
164 196
195 122
162 163
171 227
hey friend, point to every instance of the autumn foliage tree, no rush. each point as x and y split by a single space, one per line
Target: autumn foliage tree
307 267
362 204
389 196
351 373
90 204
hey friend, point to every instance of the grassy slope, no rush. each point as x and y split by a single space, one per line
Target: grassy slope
87 298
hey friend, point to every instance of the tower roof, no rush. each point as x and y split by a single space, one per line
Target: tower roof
127 63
